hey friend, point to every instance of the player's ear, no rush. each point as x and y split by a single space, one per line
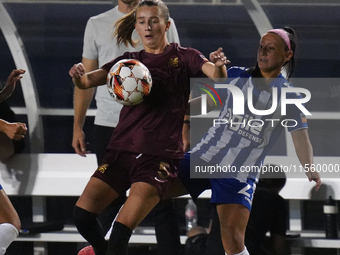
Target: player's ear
167 25
289 55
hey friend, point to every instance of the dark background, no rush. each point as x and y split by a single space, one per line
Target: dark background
52 34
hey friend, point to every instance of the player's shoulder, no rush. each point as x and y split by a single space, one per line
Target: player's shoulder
181 48
109 14
290 92
188 51
282 83
238 71
285 83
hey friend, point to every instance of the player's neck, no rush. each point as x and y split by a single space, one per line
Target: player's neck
159 49
270 75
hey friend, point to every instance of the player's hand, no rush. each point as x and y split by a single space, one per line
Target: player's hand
14 77
314 176
77 70
218 57
16 131
11 82
78 143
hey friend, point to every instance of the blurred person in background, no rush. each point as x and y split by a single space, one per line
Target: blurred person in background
10 134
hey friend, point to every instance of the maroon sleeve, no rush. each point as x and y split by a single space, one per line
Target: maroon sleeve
196 60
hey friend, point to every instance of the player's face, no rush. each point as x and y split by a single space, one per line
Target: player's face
272 55
151 27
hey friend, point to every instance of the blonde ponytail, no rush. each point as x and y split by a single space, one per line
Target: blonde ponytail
124 28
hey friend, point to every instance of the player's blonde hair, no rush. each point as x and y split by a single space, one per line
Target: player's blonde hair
125 25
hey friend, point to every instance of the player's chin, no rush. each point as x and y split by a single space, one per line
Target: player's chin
148 40
151 43
261 64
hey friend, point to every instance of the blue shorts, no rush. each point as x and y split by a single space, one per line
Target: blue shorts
1 187
232 191
223 190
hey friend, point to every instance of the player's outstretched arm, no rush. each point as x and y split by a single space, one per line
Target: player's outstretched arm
10 85
84 80
304 151
216 69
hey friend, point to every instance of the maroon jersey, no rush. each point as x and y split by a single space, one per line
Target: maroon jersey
154 127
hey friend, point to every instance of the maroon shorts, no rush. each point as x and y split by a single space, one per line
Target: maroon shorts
121 169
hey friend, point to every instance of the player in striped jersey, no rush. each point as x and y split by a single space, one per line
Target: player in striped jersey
237 141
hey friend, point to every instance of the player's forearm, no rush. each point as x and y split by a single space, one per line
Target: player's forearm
3 125
303 148
214 71
304 151
6 92
305 157
81 82
220 72
81 102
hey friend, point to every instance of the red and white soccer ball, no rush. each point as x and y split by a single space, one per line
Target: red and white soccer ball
129 81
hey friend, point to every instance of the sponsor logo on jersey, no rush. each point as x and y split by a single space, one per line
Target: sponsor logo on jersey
174 62
203 57
303 118
246 126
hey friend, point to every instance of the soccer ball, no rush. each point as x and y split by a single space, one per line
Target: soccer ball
88 250
129 81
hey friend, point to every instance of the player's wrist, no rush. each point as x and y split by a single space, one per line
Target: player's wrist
77 128
186 122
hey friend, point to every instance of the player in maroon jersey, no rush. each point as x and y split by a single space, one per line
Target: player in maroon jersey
146 146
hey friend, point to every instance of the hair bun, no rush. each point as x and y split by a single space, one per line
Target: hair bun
289 30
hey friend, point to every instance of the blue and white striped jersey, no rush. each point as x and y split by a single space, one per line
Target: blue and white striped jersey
244 140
